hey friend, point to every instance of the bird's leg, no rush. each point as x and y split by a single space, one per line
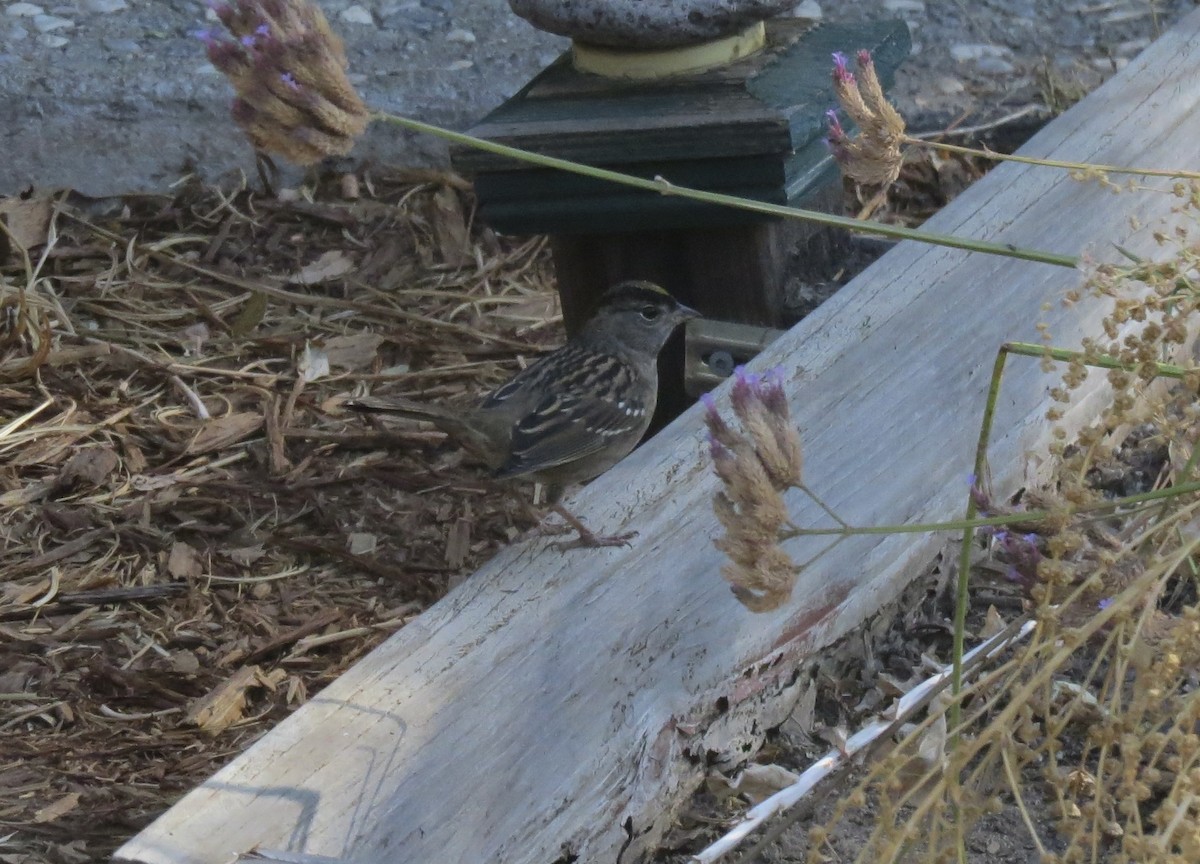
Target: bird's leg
587 539
541 528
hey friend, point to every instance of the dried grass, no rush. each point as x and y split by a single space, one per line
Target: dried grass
196 538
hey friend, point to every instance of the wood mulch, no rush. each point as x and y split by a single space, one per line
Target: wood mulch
195 537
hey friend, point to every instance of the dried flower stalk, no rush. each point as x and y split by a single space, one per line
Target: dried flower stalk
755 466
288 69
872 157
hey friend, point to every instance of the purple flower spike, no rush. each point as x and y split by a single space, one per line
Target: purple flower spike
746 378
1023 555
290 80
771 392
863 57
836 132
1105 603
249 41
745 390
723 461
263 29
841 71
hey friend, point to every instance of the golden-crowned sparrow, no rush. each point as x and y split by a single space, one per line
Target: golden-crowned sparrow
578 410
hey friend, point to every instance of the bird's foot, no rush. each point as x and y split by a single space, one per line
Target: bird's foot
585 538
549 529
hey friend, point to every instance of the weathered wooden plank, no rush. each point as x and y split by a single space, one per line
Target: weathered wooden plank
560 705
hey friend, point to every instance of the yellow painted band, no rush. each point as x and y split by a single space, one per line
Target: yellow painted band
642 64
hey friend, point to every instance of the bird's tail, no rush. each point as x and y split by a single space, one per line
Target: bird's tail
404 408
454 423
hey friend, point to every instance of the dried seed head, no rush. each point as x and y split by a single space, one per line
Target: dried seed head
717 427
288 69
873 157
761 406
755 465
766 585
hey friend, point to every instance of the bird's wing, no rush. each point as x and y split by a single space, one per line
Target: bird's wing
591 406
534 380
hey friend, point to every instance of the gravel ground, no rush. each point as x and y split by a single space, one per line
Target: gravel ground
112 96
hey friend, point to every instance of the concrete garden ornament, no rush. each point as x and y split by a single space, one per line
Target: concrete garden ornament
654 38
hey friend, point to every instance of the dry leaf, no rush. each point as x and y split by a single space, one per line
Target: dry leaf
359 543
184 562
152 482
246 555
219 432
90 466
250 315
352 351
450 228
329 266
992 624
297 693
225 704
57 809
313 364
194 336
931 748
756 783
27 219
185 662
759 782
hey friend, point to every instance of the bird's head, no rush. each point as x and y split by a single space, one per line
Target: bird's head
638 316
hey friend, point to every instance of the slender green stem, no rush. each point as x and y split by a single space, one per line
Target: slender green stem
962 598
1052 163
666 188
1006 519
828 510
1100 361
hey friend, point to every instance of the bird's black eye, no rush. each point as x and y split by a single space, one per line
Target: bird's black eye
650 313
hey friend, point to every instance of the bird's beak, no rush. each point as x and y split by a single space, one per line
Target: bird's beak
686 313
